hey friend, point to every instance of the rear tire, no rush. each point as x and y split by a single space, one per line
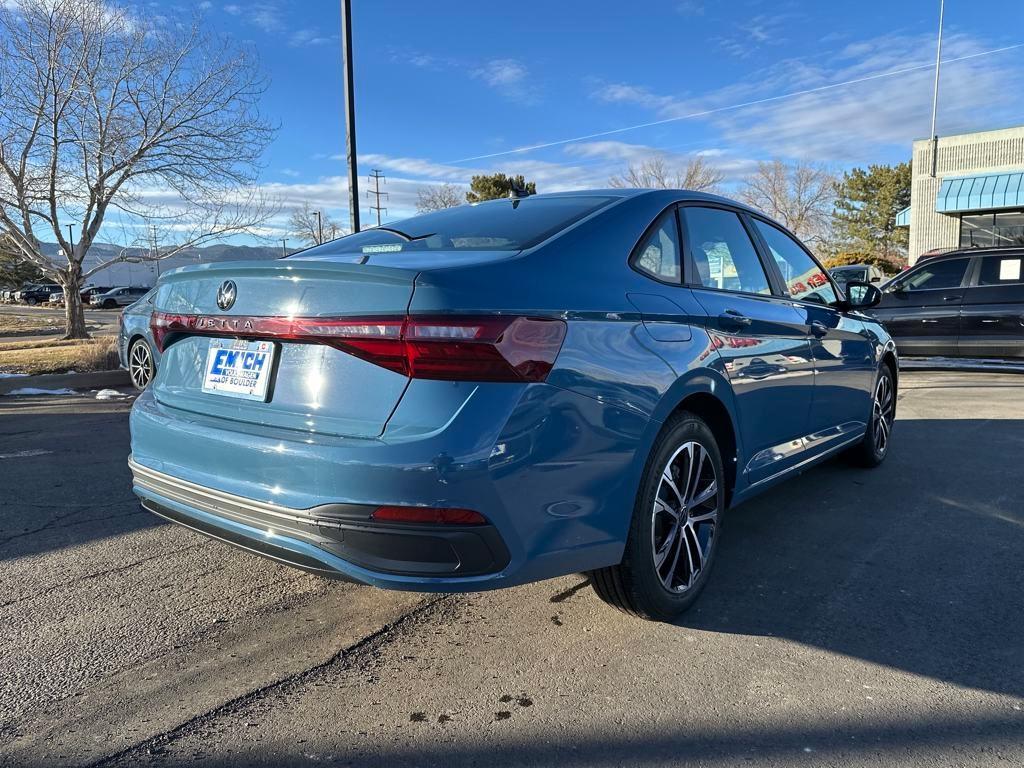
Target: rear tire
872 450
676 525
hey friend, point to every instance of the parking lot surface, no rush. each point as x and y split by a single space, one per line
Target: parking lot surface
854 617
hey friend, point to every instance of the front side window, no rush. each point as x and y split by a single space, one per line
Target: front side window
948 273
804 279
658 253
1001 270
721 253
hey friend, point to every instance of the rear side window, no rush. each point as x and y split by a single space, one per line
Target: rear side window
804 279
658 253
496 225
1001 270
936 275
721 253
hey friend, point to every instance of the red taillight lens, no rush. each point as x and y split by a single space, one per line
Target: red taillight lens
429 515
451 348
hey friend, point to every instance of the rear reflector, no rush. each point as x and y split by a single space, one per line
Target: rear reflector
429 515
449 348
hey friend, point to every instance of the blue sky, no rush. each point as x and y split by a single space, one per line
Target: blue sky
446 89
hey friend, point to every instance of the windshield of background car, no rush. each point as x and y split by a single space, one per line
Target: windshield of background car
846 275
496 225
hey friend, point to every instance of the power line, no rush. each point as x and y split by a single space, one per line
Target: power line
376 177
717 110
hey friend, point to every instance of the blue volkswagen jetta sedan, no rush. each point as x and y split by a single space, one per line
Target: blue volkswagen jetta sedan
494 394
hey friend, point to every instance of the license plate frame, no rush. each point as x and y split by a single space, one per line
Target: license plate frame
239 368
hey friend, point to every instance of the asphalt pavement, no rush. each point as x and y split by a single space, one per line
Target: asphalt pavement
855 617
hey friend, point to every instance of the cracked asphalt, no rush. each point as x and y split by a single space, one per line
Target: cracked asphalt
855 617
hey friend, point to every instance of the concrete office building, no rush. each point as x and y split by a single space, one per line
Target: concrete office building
975 197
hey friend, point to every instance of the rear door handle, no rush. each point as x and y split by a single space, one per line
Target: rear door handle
951 298
926 320
734 319
819 329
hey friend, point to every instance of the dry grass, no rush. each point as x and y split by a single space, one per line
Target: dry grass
22 324
59 356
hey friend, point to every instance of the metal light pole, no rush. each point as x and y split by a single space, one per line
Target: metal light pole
284 247
350 114
935 93
71 240
319 228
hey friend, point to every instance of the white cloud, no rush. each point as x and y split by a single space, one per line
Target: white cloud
309 36
205 5
508 77
850 123
233 9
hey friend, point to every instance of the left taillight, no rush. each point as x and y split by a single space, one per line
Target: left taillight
443 347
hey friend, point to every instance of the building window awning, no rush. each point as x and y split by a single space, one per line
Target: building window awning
981 193
903 217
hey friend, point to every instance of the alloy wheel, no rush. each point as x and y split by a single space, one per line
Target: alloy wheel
685 517
140 364
883 413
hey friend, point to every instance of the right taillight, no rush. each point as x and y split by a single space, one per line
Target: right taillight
444 347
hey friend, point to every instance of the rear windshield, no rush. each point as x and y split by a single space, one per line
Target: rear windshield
496 225
849 275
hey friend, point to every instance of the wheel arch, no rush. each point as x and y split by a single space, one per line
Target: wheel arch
707 394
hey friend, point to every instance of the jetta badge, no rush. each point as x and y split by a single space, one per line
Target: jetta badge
226 295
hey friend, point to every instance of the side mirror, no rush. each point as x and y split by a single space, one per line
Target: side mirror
862 295
876 279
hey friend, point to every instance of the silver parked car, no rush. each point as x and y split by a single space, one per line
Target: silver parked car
117 297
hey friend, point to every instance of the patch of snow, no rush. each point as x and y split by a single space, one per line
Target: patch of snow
38 391
25 454
110 394
12 375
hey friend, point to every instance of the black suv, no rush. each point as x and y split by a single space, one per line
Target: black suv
39 293
961 304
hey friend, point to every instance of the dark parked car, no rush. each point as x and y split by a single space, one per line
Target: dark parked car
38 294
960 304
491 395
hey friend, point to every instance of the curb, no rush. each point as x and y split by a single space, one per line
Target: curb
91 380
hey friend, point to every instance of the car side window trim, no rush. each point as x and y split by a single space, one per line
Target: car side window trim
634 252
690 280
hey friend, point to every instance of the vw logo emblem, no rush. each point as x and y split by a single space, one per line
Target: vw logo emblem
226 295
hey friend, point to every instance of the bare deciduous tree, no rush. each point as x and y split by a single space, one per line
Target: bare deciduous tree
799 196
654 173
108 118
312 229
434 198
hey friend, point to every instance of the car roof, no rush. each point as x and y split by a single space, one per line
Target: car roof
668 195
1006 250
849 266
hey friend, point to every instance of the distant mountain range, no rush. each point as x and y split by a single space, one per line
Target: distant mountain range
101 252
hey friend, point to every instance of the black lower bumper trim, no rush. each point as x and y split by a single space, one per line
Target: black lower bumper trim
392 548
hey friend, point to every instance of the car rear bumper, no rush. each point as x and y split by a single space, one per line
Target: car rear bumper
337 540
553 472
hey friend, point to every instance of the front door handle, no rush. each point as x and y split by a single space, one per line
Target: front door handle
926 320
951 298
819 329
732 318
989 320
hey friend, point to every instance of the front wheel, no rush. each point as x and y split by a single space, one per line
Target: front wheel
676 525
873 449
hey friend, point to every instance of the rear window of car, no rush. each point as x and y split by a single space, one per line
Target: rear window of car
1001 270
495 225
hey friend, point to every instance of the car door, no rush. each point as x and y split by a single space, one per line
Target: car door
842 350
921 309
761 339
992 314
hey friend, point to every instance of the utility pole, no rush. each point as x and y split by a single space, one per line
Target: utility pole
350 115
376 177
284 247
935 93
71 239
319 228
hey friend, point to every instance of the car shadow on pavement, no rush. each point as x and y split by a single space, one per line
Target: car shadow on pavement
915 565
65 479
